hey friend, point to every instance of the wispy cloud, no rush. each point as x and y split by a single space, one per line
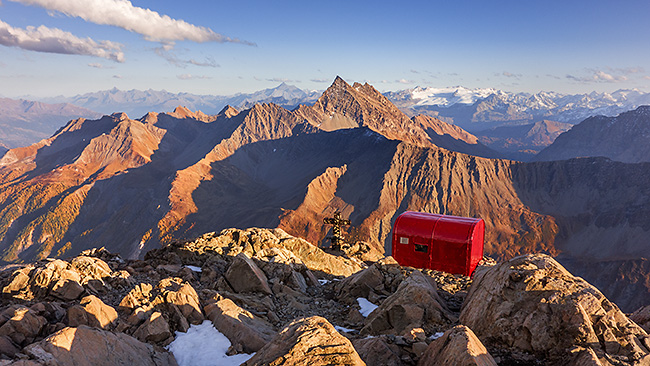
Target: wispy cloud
598 76
166 53
209 62
282 80
193 77
146 22
53 40
319 80
117 77
404 81
509 75
97 65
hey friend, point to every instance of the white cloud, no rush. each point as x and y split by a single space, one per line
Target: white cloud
121 13
53 40
319 80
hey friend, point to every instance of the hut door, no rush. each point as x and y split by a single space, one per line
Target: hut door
421 251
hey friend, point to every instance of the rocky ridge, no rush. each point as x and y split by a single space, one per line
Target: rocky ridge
290 302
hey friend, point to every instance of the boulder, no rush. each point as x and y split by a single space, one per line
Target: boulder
415 304
138 296
532 304
25 363
642 318
91 268
58 278
67 289
180 293
308 341
375 351
297 282
458 346
84 346
239 325
92 312
244 275
318 260
23 325
154 329
360 284
7 347
19 281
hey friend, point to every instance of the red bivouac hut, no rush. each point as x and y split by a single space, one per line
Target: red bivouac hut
441 242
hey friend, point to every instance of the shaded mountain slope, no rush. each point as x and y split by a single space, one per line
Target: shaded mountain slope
625 138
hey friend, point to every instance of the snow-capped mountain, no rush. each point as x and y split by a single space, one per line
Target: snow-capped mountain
475 109
443 97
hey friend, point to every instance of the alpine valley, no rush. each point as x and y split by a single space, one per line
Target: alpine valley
132 185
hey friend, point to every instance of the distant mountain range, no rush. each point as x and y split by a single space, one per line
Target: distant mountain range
479 109
137 103
24 122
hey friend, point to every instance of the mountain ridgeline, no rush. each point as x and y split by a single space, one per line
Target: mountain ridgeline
625 137
134 185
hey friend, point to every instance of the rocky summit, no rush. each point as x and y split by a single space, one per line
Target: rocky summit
284 301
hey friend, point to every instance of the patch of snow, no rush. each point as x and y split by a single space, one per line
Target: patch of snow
366 306
323 282
203 345
194 268
343 329
436 336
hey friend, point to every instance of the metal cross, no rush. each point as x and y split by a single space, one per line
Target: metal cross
336 239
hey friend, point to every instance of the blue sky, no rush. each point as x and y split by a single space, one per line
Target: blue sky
218 47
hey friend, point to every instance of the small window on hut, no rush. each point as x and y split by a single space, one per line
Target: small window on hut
421 248
403 240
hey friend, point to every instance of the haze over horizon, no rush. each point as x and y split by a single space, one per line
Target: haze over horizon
64 47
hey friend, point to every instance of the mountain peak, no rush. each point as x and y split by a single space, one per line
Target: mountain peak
229 111
120 116
339 83
183 112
